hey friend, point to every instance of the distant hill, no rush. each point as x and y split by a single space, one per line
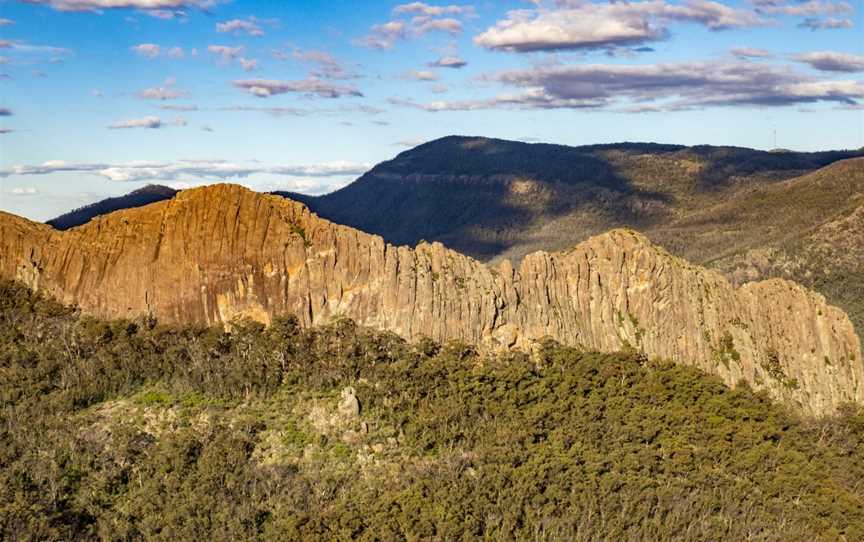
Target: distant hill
492 198
143 196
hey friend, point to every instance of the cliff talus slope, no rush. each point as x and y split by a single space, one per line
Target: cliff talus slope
213 254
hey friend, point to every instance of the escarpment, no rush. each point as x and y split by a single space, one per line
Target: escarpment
213 254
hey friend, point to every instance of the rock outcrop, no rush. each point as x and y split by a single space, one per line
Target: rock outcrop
213 254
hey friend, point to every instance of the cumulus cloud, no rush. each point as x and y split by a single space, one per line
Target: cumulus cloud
809 8
830 61
828 23
6 22
152 50
450 26
572 25
187 169
384 36
248 64
5 112
657 87
750 52
264 88
167 92
273 111
421 75
414 20
249 27
227 53
448 61
146 122
423 9
147 50
326 65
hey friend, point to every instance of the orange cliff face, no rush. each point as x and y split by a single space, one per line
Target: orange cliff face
213 254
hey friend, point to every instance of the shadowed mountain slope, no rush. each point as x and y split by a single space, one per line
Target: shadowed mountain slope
143 196
213 254
492 198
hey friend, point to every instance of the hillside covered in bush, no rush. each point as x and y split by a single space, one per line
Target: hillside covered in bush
135 431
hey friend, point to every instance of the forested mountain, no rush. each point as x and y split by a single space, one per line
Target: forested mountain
143 196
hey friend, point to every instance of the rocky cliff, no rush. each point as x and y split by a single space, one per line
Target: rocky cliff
213 254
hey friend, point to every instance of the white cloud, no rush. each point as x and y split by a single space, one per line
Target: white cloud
248 64
167 92
448 61
421 75
575 25
384 36
147 50
227 53
828 23
250 27
830 61
750 52
153 7
264 88
809 8
414 20
421 8
327 66
146 122
6 22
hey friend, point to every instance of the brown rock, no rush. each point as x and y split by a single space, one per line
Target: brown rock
214 254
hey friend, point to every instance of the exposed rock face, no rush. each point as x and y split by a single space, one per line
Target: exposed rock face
214 254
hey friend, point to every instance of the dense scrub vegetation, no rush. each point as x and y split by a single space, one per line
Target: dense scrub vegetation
130 431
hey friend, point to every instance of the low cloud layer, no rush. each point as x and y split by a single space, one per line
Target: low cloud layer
186 170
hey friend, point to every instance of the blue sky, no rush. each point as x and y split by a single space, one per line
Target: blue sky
100 97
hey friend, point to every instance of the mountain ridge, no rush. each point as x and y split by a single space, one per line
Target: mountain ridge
494 199
213 254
